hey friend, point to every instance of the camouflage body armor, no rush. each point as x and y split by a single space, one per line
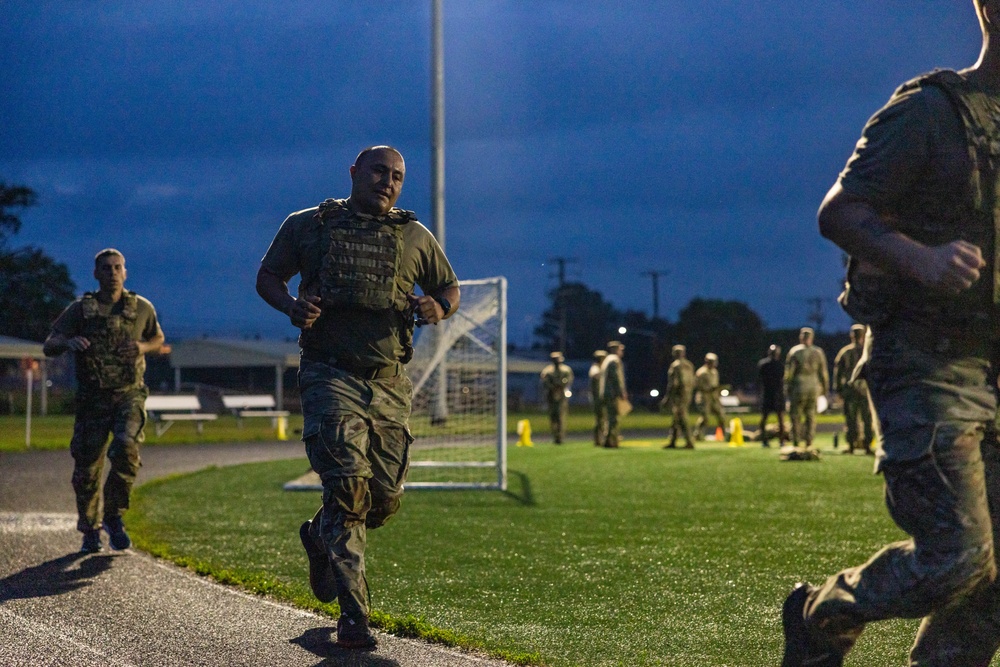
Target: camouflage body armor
873 296
102 365
362 261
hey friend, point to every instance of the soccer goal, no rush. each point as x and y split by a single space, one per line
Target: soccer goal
459 374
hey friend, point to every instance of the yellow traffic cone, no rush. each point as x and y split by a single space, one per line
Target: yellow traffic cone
282 427
736 433
524 430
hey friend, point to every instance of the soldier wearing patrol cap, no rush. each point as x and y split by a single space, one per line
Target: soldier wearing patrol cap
709 395
360 260
597 397
109 333
615 394
853 390
677 396
557 379
806 379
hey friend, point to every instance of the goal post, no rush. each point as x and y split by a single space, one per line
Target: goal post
459 375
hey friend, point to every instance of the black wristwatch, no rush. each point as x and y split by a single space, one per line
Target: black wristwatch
445 304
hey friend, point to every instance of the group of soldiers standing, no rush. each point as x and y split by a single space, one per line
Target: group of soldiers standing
803 377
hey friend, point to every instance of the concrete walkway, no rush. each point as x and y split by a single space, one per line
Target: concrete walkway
58 607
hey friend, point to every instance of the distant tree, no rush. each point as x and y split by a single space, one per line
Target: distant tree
578 322
731 329
647 352
34 288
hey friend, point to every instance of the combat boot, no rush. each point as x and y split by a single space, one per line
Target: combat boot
354 634
321 579
802 647
117 537
91 542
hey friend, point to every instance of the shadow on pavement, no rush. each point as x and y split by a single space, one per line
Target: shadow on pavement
53 577
317 641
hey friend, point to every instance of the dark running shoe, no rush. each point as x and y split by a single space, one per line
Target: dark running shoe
91 542
321 580
802 649
355 635
117 537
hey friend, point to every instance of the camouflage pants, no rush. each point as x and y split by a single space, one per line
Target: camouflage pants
612 435
680 424
711 408
802 413
940 458
558 410
100 414
357 440
858 418
600 422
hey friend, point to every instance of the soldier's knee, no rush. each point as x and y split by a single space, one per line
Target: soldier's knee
347 500
382 510
964 572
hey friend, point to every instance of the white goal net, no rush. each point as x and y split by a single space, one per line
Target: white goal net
459 374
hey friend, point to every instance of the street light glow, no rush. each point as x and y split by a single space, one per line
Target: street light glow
622 330
654 392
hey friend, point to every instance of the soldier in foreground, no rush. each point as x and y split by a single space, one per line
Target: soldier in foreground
771 373
615 394
677 396
806 379
854 392
916 209
109 333
709 391
556 379
597 397
359 259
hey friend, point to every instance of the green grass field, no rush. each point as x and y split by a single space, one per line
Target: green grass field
636 556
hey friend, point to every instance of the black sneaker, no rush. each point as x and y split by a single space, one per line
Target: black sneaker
355 635
802 649
91 542
117 537
321 580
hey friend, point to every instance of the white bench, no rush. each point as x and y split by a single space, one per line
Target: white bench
254 405
165 410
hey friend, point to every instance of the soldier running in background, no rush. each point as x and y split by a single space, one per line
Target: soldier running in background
109 333
677 396
557 379
853 390
597 397
709 395
806 379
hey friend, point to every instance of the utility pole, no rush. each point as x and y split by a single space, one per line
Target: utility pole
655 275
561 262
816 315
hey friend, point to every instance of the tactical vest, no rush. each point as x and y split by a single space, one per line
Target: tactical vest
362 261
873 296
102 364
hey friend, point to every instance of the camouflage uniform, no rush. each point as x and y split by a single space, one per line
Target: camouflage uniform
854 393
680 389
613 381
556 378
706 383
806 379
355 394
597 398
931 367
110 400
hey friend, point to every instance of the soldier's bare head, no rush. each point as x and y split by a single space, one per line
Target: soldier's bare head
988 12
109 270
377 179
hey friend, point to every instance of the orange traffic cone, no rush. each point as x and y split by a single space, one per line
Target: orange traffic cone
719 435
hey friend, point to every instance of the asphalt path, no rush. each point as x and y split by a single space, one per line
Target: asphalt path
62 608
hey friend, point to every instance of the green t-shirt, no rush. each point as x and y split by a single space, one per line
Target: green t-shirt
359 337
145 326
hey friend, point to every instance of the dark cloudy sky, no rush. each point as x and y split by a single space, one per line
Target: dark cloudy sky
694 137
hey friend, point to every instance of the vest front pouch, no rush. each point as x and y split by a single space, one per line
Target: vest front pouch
103 364
362 259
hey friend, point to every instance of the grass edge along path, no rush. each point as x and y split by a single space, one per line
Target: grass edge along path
636 556
259 583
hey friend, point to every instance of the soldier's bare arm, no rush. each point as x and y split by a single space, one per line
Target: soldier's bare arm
57 343
855 226
428 308
302 312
